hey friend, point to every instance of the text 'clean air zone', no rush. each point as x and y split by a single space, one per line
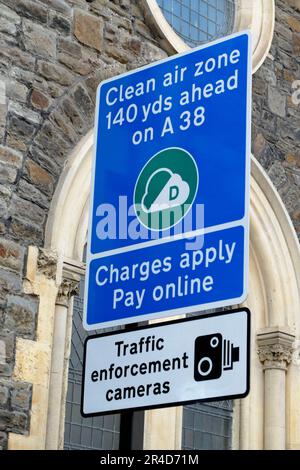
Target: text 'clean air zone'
196 84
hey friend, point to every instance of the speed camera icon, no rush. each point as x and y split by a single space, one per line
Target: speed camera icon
213 355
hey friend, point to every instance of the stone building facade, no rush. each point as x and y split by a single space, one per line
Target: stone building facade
53 55
275 113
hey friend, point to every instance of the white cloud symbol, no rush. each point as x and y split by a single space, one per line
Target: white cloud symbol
174 193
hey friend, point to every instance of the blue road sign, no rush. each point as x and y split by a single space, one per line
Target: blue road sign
169 221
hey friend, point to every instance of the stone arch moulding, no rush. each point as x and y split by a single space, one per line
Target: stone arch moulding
274 280
255 15
71 202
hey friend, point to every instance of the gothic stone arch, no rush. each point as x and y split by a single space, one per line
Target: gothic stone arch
274 281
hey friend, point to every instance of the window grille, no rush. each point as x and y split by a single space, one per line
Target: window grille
199 21
101 432
207 426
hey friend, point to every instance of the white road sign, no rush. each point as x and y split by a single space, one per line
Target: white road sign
176 362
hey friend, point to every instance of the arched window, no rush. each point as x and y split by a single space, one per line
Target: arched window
101 432
207 426
181 24
199 21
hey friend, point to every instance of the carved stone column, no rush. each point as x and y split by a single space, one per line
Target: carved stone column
68 288
275 349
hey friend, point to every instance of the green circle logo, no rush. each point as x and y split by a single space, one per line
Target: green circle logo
166 189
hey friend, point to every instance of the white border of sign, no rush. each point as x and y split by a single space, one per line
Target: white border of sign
243 222
162 325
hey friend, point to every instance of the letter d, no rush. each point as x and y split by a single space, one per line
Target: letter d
173 193
232 82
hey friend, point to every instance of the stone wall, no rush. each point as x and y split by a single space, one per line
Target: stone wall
53 54
276 117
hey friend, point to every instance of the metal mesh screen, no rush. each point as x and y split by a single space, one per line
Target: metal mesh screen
85 433
199 21
207 426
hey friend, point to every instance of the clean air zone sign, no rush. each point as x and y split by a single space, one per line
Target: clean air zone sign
204 358
166 186
169 222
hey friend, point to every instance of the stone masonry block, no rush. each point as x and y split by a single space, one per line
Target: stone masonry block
11 255
69 47
38 40
78 65
39 177
17 56
16 90
40 158
19 132
55 72
276 101
10 15
296 43
9 282
83 4
7 26
58 5
32 193
21 315
21 397
3 440
84 102
3 116
294 23
39 100
58 118
77 58
3 209
29 9
4 394
2 352
28 232
27 210
52 142
88 29
59 22
277 175
8 338
73 115
25 113
6 370
7 174
13 422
